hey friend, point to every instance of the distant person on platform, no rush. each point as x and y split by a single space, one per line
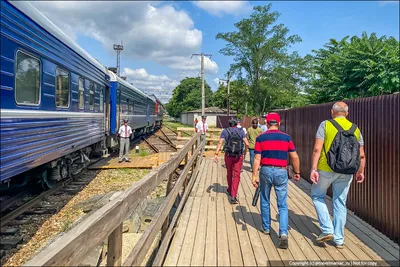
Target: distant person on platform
239 125
195 124
263 125
202 127
252 134
124 133
235 147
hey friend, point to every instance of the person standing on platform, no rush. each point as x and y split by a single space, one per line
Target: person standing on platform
271 152
202 127
239 125
341 141
234 139
252 134
124 133
263 125
195 124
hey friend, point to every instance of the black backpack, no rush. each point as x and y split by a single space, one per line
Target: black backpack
344 153
234 144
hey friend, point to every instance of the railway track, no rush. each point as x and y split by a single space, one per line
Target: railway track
44 203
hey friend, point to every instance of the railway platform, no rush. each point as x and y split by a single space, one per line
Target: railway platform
196 225
212 232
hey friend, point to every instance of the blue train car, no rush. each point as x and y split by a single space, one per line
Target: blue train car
128 102
54 99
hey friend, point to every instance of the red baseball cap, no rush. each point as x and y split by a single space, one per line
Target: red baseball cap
273 117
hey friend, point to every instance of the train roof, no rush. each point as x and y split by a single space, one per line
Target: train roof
35 15
114 78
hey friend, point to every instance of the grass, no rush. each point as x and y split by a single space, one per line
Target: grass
174 125
65 225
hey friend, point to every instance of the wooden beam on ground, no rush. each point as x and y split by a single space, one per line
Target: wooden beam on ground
182 138
73 247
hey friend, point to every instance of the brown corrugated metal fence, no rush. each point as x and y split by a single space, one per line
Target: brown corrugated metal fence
377 199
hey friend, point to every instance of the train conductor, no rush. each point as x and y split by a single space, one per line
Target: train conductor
124 133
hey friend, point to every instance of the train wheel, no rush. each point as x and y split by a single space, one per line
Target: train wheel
47 183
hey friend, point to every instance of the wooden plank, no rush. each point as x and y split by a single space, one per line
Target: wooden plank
141 248
309 213
179 237
187 247
274 258
253 232
235 253
211 240
169 232
190 129
114 252
222 233
368 248
284 254
185 138
241 228
201 232
98 226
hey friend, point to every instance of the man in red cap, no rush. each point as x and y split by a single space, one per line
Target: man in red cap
271 152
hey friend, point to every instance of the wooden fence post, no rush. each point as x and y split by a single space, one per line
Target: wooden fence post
114 252
169 188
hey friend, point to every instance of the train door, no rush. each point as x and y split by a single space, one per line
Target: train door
148 113
118 109
107 108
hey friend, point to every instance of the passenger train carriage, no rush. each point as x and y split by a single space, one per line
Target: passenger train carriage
58 104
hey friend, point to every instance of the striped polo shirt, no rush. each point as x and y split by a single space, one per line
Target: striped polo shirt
274 145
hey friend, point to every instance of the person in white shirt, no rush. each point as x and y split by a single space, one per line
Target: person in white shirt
124 133
202 127
239 125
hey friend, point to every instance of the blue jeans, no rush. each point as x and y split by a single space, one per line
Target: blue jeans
340 189
251 152
279 179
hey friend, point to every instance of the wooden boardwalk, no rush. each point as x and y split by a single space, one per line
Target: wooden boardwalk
212 232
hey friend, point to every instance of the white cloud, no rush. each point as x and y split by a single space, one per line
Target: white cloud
218 8
161 85
148 31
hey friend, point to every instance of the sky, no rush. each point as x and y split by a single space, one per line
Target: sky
159 37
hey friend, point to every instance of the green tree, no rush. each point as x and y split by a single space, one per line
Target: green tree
220 97
356 67
187 96
259 49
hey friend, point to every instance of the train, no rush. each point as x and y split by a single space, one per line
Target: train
59 105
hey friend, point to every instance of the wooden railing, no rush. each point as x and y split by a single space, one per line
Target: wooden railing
212 136
106 223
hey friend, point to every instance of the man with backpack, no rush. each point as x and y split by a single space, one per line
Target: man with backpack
236 145
338 154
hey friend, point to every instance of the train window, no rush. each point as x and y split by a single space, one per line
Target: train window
101 100
91 96
27 79
62 88
81 93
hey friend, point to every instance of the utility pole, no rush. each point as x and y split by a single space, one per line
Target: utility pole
118 48
228 85
203 95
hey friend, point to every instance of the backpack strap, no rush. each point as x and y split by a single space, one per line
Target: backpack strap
353 128
229 132
337 125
